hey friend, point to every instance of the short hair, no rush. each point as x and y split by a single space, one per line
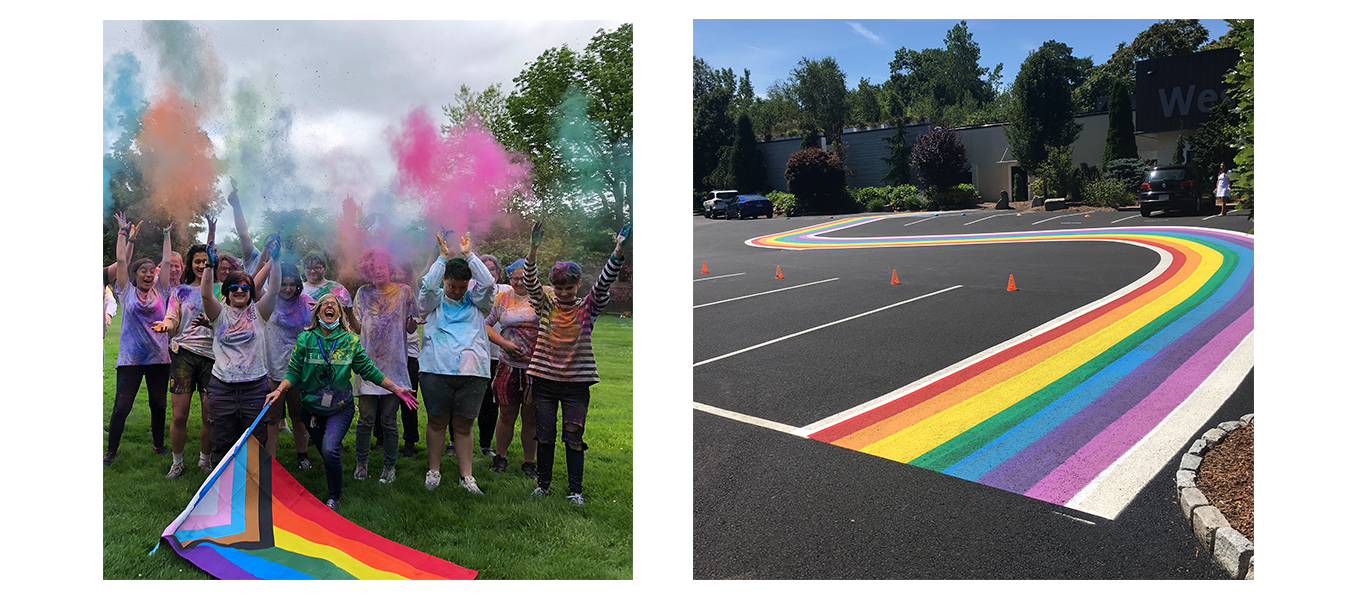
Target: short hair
488 257
565 272
238 277
458 268
371 258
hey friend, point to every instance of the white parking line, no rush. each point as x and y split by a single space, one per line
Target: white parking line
1050 219
818 327
735 416
978 220
920 221
718 277
1126 218
768 292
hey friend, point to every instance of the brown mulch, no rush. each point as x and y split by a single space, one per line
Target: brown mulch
1226 478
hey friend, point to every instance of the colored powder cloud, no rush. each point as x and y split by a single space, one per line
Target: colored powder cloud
461 179
176 158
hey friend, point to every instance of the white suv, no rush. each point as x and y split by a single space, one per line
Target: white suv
716 204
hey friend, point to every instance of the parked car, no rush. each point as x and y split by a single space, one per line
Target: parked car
748 206
716 204
1173 187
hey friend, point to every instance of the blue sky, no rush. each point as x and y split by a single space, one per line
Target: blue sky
865 48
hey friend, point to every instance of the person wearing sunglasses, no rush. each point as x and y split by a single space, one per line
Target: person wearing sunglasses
326 355
562 366
238 386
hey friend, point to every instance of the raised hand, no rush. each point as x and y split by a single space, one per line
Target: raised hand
537 234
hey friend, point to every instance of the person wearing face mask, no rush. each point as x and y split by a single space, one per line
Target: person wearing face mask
326 355
454 361
562 366
143 352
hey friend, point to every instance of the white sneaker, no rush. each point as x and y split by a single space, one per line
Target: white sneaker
433 479
469 483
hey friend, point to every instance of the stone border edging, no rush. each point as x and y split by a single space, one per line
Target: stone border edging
1226 546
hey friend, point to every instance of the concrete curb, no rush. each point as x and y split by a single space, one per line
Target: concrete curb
1226 546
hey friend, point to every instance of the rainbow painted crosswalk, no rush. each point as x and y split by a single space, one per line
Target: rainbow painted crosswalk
1082 411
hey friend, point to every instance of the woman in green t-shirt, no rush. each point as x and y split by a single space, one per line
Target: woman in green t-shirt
325 356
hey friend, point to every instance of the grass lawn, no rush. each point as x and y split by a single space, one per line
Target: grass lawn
504 534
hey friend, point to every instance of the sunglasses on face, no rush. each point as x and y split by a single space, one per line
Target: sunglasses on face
239 287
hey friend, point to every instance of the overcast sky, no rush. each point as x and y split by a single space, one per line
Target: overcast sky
345 82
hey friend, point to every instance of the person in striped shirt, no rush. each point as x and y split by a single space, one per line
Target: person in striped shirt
562 367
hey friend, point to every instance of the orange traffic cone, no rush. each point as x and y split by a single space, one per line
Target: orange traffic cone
705 266
895 277
1012 286
780 272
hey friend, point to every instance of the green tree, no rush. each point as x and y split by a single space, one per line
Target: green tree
1242 80
741 166
1119 127
945 84
713 129
1041 112
1171 37
818 86
897 172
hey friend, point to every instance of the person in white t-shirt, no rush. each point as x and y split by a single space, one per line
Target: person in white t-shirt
238 386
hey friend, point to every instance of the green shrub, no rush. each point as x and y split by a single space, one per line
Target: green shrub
783 203
1107 192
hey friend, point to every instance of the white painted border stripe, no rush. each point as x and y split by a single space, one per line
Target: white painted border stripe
1162 266
735 416
717 277
768 292
978 220
1141 463
818 327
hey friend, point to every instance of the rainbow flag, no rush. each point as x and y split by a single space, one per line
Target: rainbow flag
252 520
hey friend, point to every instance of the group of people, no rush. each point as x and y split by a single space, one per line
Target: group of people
488 351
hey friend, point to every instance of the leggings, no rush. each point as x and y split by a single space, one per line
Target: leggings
128 385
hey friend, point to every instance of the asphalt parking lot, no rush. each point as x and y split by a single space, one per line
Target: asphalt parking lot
777 359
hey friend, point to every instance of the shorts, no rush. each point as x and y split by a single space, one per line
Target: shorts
189 372
511 386
458 394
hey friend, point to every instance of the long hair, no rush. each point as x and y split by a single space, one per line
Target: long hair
342 315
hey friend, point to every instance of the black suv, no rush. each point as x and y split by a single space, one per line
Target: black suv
1173 187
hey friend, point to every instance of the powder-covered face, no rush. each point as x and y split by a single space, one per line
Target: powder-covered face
328 311
239 294
517 280
566 294
455 288
314 272
290 288
145 277
175 269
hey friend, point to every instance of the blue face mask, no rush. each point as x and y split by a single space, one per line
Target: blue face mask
330 326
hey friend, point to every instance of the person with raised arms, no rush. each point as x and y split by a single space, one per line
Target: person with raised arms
143 352
454 360
562 367
326 355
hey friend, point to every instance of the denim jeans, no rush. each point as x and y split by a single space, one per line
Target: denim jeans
329 431
575 400
234 406
386 408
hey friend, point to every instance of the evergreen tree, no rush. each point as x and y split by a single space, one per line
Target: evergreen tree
1120 127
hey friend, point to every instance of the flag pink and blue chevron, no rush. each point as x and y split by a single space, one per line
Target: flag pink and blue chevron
1053 413
252 520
